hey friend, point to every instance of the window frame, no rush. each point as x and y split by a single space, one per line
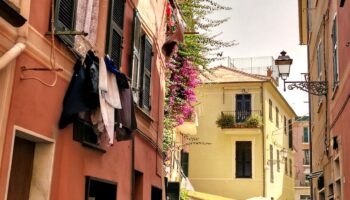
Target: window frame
60 26
334 37
244 161
308 136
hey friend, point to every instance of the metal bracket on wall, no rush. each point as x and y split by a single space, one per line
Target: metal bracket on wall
67 33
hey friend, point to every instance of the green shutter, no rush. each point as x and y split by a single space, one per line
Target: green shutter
290 134
306 135
184 162
114 41
146 72
65 18
134 70
173 191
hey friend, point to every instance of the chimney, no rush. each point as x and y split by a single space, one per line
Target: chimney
269 72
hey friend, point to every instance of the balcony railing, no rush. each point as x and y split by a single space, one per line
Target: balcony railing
240 119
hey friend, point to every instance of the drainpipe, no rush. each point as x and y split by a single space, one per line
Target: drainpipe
22 34
11 54
263 137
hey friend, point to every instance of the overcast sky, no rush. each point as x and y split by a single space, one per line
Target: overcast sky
265 28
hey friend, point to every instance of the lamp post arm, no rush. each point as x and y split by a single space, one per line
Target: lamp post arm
317 88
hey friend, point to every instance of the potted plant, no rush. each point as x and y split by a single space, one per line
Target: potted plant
226 121
253 121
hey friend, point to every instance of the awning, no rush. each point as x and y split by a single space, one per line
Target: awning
314 174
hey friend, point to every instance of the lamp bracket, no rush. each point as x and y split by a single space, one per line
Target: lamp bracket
317 88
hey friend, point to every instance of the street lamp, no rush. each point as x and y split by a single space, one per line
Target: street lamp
283 63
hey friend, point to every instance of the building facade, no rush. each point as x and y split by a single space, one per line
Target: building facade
39 159
301 141
324 29
249 127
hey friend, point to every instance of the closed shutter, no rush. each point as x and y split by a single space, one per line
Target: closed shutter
290 134
173 191
135 59
114 42
271 164
65 18
146 72
184 162
243 159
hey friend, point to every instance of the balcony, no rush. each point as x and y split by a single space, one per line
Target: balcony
240 122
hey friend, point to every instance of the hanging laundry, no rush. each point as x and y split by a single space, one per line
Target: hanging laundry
74 99
125 119
109 98
91 73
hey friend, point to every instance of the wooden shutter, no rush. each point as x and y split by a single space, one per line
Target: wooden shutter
65 18
290 134
146 74
184 162
114 41
271 164
243 159
173 190
135 58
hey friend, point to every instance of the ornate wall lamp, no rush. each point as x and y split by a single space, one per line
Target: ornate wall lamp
283 63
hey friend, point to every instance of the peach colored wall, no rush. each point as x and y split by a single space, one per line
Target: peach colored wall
37 108
341 105
298 133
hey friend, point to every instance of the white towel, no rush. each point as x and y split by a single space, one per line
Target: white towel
109 98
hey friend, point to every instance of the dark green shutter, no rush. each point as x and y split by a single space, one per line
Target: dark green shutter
243 159
184 162
134 70
146 73
290 134
271 164
65 18
173 191
114 41
306 135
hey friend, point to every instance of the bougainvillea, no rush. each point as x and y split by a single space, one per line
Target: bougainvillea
182 78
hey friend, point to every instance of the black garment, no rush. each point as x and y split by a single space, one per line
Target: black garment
125 119
91 86
73 102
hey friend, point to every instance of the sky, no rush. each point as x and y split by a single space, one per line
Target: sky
265 28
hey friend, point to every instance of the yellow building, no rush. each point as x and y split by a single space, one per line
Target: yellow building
251 156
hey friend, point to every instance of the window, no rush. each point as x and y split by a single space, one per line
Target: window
243 159
335 54
184 162
65 19
285 166
99 189
271 163
156 193
173 191
306 157
306 135
290 168
114 39
277 118
84 132
305 197
285 125
141 65
290 134
270 109
319 61
243 107
278 160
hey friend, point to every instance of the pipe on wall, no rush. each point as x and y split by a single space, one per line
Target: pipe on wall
11 54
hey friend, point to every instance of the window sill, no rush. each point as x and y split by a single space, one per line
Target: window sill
93 146
144 113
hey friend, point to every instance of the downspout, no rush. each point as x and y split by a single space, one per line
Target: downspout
133 166
263 136
11 54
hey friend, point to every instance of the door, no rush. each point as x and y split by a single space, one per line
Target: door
21 169
243 107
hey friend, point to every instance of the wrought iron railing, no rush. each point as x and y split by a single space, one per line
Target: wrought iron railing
240 116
